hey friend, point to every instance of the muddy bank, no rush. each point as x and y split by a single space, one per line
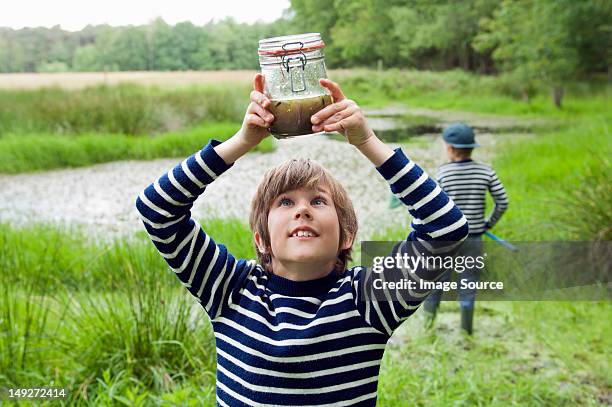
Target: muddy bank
101 198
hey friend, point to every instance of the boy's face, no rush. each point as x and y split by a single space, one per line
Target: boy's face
449 151
303 228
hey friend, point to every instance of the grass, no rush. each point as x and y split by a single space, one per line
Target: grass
45 152
138 110
104 123
106 320
558 183
25 337
51 128
459 90
525 353
103 346
135 337
123 109
69 258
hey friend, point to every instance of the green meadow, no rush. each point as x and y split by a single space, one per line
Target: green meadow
108 321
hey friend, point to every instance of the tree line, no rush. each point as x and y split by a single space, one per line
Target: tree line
537 41
156 46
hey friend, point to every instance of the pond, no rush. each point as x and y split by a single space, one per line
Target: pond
401 127
399 124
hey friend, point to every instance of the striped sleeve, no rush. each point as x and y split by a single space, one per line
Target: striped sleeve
436 217
438 228
204 267
500 200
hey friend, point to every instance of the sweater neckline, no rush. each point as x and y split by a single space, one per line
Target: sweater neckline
285 286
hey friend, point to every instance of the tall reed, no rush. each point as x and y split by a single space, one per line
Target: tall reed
121 109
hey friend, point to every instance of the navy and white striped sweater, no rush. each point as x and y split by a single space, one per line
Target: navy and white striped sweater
284 342
466 183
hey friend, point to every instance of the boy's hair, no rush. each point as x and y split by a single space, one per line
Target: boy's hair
295 174
463 153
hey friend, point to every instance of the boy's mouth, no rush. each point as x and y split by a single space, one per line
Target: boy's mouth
303 232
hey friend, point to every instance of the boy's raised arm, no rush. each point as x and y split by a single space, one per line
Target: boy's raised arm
436 217
438 224
204 267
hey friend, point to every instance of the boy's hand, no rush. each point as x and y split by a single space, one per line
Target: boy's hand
343 116
257 119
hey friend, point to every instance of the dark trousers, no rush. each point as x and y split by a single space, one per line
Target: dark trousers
472 246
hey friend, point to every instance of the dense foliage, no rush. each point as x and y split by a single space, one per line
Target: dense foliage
555 38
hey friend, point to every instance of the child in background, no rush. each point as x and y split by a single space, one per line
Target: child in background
466 182
295 327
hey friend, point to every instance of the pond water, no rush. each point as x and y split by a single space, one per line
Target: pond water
398 125
399 128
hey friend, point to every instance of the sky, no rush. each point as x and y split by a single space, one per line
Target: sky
73 15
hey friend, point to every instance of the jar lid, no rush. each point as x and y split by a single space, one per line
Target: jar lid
290 44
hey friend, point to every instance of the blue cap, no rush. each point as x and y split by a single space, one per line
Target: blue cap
460 135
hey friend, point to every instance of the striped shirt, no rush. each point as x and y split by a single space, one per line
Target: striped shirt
284 342
466 183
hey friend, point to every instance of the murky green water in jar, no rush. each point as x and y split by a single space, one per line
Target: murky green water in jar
292 116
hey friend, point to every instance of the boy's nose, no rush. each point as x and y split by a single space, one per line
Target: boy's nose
302 212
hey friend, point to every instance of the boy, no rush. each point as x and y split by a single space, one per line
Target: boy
466 182
294 329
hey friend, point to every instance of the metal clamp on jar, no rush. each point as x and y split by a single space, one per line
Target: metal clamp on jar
292 66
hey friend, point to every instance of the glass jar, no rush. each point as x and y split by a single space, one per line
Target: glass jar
292 66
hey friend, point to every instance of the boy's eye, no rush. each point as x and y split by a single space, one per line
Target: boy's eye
319 201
